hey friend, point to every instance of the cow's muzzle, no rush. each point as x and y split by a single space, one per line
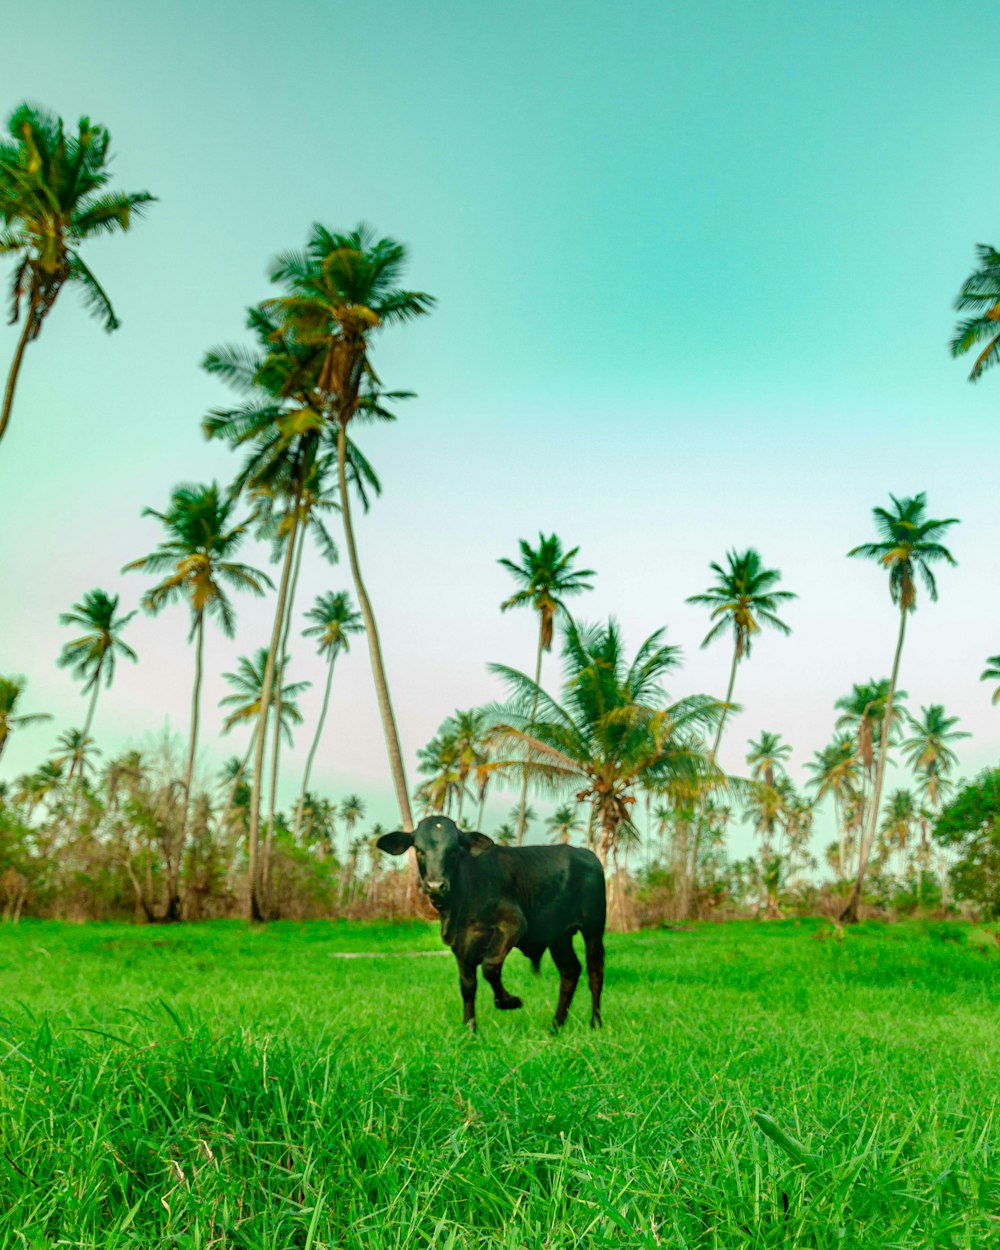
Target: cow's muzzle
436 891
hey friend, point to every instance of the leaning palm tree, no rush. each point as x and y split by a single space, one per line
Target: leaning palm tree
196 556
338 293
980 297
52 199
545 578
92 655
11 691
334 620
613 731
908 544
744 599
992 673
286 474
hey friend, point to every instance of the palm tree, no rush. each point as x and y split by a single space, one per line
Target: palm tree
50 778
504 834
908 544
897 825
545 578
743 599
52 199
835 772
352 809
247 701
767 757
286 474
980 296
11 691
93 654
438 761
992 673
563 822
530 815
334 620
928 749
247 683
466 731
614 730
339 292
77 750
929 753
196 555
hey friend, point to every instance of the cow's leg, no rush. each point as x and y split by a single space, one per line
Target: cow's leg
564 958
595 975
467 980
508 930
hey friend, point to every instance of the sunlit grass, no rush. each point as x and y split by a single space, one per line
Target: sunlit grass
218 1086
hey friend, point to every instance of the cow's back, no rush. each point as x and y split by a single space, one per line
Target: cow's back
560 889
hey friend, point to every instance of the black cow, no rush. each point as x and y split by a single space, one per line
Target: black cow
494 898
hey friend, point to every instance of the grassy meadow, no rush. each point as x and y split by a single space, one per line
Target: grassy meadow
217 1085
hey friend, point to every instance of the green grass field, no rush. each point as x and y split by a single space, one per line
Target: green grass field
216 1086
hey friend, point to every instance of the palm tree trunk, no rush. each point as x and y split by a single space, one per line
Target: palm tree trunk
276 747
83 742
174 868
93 707
375 651
522 804
607 839
696 842
256 899
482 805
852 910
315 744
838 816
729 699
15 367
231 798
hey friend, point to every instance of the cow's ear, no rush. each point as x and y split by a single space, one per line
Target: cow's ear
477 843
395 843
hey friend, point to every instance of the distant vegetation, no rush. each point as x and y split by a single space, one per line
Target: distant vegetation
632 769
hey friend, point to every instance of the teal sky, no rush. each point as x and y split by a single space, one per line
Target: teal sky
695 266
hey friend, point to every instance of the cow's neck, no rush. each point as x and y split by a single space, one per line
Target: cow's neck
452 913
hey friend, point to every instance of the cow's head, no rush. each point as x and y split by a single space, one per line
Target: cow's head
440 846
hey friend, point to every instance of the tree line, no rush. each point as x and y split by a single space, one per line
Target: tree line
611 739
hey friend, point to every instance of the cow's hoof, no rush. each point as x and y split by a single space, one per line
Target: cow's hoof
471 1025
510 1003
557 1024
595 1021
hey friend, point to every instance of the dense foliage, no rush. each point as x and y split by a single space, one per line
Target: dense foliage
970 826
